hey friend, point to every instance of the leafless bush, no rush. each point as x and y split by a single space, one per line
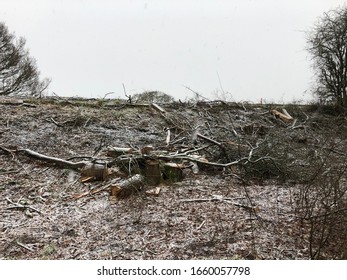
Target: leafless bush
322 205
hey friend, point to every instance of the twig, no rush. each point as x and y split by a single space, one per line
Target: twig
221 199
327 214
107 94
7 150
209 140
201 200
125 93
197 94
24 246
200 226
57 124
92 192
21 206
10 172
185 157
158 108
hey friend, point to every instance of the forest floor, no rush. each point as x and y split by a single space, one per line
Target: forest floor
213 213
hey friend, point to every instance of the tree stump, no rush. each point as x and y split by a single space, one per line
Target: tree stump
173 172
95 171
152 172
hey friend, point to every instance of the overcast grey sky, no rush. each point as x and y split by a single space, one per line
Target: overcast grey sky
90 47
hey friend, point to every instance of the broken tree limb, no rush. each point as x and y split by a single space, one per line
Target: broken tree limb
12 101
158 108
55 160
209 140
221 199
24 246
287 114
198 160
95 190
7 151
117 151
168 137
282 116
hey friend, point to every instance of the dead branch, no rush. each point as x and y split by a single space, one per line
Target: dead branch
200 226
95 190
56 123
158 108
7 151
199 160
55 160
198 95
221 199
10 171
209 140
21 206
12 101
117 151
24 246
282 116
287 114
168 137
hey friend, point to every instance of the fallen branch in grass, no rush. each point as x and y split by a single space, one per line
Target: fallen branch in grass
221 199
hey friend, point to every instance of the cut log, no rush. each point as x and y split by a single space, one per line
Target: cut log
173 172
96 171
128 187
282 116
117 151
152 172
146 150
286 113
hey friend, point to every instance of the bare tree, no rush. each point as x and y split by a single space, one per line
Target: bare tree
327 44
18 71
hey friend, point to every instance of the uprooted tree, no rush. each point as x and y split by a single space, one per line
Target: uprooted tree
18 71
327 44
